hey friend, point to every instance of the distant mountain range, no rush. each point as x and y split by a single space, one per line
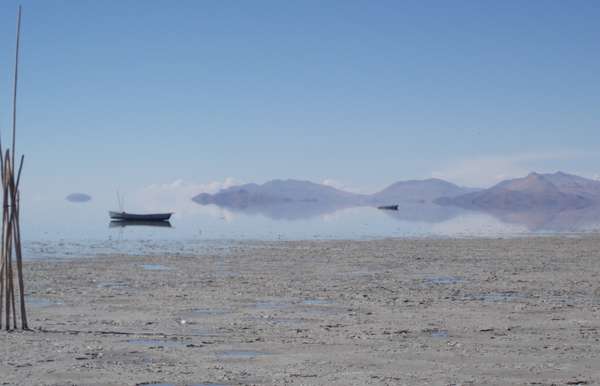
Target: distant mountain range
557 191
278 192
418 191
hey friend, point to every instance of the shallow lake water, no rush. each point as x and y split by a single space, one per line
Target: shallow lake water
67 230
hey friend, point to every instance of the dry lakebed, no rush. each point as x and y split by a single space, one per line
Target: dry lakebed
522 311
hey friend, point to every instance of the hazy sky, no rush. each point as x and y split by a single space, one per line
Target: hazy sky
127 94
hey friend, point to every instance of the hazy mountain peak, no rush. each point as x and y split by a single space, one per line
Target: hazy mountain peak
426 190
280 191
534 191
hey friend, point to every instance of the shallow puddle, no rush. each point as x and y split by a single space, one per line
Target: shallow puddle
270 305
113 285
443 280
157 343
227 274
41 302
317 302
442 334
155 267
240 354
208 311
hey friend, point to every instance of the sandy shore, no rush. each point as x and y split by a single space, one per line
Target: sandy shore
387 312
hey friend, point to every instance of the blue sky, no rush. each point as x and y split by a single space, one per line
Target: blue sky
128 94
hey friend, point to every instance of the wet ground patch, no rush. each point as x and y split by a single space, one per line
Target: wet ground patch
155 267
271 305
41 302
188 384
240 354
154 384
225 270
113 285
156 343
317 302
499 296
442 280
204 332
208 384
208 311
438 333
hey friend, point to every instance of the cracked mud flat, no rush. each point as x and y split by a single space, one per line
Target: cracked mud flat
441 312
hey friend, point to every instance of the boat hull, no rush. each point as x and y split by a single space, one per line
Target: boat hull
140 223
124 216
388 207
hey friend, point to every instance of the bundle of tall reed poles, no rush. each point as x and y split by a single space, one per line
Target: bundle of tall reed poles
11 259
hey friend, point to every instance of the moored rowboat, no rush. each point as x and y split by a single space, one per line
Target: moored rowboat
139 217
142 223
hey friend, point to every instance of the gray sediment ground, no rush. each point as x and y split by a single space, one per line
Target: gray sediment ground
384 312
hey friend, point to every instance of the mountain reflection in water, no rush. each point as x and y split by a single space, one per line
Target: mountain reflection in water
547 220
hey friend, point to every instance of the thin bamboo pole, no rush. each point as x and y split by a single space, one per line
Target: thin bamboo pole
2 249
10 248
1 291
5 245
18 250
5 254
15 84
10 244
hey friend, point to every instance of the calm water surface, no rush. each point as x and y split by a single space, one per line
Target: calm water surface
78 230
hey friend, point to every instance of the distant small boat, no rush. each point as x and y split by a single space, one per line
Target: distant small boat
124 216
388 207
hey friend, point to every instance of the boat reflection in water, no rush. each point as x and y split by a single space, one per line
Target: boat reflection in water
141 223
